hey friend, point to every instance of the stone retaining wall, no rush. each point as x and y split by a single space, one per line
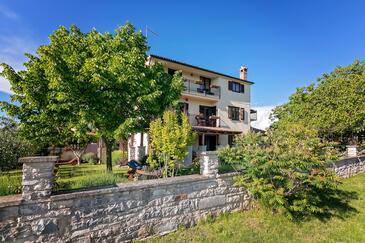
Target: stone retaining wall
127 211
349 167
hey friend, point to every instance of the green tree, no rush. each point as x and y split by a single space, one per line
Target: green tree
285 169
12 146
334 106
89 82
170 137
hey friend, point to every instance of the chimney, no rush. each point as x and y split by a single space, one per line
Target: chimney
243 72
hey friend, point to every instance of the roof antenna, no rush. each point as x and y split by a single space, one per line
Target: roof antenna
149 30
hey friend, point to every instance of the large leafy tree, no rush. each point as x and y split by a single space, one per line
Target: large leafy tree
89 82
286 169
334 106
170 137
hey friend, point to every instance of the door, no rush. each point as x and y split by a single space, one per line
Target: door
211 142
208 111
205 86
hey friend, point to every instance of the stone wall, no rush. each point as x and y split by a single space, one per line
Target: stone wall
349 167
123 212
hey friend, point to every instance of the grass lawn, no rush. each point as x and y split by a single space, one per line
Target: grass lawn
68 177
259 225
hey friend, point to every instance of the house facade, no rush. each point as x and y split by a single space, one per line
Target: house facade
217 105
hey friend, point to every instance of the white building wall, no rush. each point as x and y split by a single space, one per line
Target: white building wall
230 98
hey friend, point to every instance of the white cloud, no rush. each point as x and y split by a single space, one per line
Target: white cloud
5 85
263 114
12 51
8 13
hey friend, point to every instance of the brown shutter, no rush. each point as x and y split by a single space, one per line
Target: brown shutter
242 115
242 88
229 85
229 112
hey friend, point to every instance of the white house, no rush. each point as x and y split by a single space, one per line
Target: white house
218 107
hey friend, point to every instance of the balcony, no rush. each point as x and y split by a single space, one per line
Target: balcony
196 88
253 115
203 121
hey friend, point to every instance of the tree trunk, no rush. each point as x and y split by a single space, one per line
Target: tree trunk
109 148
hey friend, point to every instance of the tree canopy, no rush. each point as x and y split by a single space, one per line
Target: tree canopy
334 105
89 82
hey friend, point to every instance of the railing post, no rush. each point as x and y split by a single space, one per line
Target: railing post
209 163
38 174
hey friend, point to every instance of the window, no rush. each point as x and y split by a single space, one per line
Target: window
233 113
171 71
236 87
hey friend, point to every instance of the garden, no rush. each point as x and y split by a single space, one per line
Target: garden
68 177
261 225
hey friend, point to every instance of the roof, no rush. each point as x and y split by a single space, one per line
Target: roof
257 130
200 68
215 130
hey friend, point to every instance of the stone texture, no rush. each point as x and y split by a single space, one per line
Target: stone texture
37 179
349 167
209 163
129 211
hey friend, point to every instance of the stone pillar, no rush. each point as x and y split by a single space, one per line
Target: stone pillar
37 177
351 150
209 163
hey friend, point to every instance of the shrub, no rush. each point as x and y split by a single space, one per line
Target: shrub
170 137
117 156
90 158
285 169
12 146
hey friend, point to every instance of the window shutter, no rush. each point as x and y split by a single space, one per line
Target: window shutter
242 115
242 88
229 112
230 84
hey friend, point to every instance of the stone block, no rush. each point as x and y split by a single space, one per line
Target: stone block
210 202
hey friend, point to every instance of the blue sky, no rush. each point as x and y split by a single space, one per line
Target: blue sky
284 44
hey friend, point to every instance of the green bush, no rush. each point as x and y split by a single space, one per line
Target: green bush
90 158
286 169
117 156
10 184
12 146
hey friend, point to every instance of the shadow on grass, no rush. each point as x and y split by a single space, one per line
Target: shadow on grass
334 203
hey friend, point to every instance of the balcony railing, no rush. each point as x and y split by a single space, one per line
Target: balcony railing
201 120
195 88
